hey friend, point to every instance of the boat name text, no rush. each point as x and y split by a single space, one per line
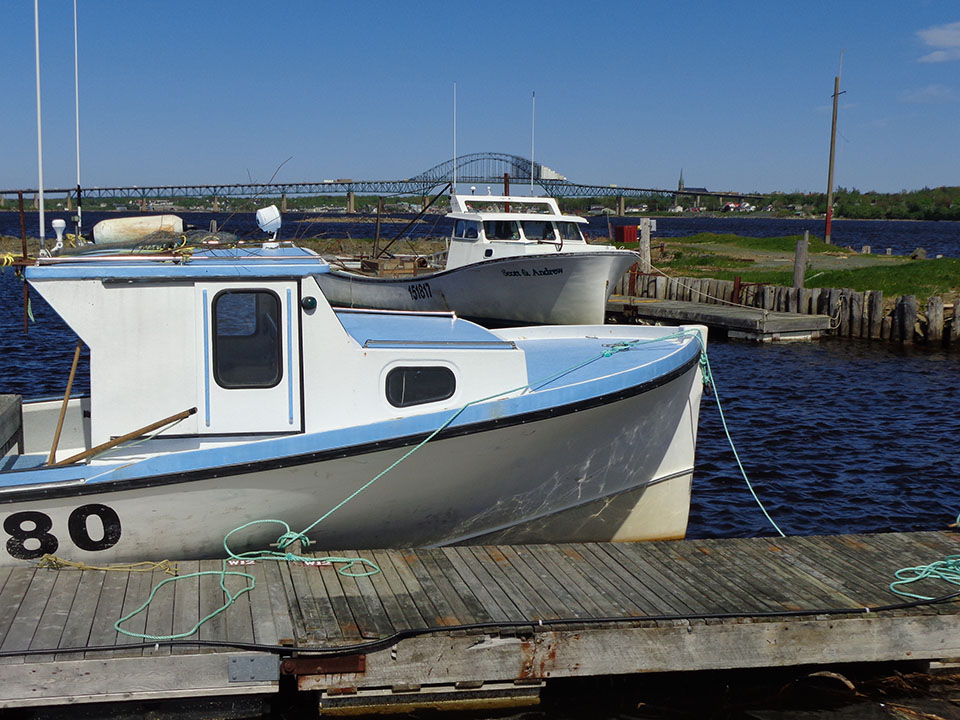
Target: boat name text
532 273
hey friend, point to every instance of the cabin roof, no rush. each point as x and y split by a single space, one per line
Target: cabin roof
422 330
235 263
484 216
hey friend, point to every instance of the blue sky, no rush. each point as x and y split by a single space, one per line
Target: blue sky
736 94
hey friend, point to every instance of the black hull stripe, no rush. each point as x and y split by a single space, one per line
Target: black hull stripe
222 471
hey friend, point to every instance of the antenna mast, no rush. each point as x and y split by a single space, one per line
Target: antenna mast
453 187
76 86
533 126
36 33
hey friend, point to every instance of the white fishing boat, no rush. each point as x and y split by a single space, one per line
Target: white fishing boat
224 388
510 260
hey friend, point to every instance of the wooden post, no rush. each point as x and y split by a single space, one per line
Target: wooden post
803 301
876 314
935 320
832 304
845 312
954 337
856 313
907 318
865 314
644 246
660 286
800 259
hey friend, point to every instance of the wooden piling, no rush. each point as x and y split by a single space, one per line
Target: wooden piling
935 320
876 314
856 314
800 259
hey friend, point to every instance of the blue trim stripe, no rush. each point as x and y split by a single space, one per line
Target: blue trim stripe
206 361
289 357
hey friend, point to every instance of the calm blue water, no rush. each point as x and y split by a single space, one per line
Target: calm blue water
837 436
903 236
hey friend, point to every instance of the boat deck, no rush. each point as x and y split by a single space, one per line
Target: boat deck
472 619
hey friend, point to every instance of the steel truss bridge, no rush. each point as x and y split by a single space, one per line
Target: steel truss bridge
475 169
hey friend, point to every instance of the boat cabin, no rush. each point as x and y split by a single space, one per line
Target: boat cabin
246 337
487 227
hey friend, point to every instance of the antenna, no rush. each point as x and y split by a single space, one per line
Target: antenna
76 87
36 34
453 187
533 125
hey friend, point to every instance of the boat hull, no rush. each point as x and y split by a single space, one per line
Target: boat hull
568 288
618 468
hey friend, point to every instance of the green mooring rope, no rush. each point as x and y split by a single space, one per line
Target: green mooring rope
289 537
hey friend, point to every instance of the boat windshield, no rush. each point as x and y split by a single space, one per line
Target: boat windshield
569 232
539 230
501 230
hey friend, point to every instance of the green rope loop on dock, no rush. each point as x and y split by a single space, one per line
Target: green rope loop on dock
947 570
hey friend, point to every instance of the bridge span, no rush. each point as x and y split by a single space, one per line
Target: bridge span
474 169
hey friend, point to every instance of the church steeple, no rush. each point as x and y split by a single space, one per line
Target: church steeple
680 184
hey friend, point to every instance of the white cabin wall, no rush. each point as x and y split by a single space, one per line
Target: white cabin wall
142 350
344 383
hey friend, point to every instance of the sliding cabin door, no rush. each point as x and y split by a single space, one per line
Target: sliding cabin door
251 358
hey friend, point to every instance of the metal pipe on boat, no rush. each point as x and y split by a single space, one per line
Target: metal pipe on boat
23 245
63 407
124 438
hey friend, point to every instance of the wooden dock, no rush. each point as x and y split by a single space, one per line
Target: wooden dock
736 321
459 622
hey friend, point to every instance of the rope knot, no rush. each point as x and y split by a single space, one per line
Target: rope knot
290 537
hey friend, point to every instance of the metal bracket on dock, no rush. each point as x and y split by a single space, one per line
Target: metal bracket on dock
253 668
315 665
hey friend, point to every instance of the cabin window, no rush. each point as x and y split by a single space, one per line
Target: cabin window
569 231
466 229
407 386
246 339
501 230
539 230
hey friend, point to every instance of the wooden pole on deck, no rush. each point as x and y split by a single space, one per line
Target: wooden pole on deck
63 407
800 259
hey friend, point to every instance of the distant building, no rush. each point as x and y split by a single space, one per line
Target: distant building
683 189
